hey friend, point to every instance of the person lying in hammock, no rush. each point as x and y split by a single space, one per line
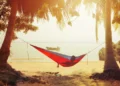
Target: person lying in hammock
72 58
70 62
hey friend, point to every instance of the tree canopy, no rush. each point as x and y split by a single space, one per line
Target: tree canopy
62 10
28 9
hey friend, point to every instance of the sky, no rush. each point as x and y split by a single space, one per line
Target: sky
82 30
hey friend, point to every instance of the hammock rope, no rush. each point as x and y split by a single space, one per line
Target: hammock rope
94 48
27 52
59 58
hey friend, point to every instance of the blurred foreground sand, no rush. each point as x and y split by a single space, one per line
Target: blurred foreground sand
83 69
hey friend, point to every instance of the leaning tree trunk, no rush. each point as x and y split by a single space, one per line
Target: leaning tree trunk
110 63
5 49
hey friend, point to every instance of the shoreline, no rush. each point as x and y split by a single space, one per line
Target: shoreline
90 67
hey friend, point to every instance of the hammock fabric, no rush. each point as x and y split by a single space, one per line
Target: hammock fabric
63 60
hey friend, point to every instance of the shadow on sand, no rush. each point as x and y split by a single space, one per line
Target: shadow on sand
56 79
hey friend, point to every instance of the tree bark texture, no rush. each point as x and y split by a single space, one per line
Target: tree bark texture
5 48
110 62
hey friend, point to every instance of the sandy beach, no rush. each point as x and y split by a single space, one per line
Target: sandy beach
88 67
77 75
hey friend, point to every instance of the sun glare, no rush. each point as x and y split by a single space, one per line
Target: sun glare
82 30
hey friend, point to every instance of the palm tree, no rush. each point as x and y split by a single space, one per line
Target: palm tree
110 63
97 20
110 66
15 6
5 49
20 23
105 7
30 8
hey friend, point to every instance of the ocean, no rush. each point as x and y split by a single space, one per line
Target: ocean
21 51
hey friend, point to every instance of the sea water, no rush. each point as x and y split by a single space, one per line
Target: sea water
21 51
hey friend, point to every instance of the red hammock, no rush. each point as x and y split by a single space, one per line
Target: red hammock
63 60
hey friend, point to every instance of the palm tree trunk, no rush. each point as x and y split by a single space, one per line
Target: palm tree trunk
5 49
110 63
96 23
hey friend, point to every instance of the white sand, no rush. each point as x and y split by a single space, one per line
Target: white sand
90 67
